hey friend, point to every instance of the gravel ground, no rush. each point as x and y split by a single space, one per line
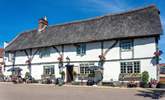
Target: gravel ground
9 91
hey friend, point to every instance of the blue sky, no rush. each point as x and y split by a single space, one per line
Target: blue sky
22 15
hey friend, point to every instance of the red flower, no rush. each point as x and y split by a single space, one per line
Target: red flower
101 57
158 53
60 58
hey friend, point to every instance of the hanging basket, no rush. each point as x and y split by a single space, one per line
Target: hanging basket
158 53
60 59
102 57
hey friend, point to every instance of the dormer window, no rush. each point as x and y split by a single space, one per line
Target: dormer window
81 49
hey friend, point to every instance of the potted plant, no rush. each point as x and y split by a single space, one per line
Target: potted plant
62 75
145 77
153 83
74 75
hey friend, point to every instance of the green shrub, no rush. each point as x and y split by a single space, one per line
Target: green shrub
91 75
62 74
145 77
27 75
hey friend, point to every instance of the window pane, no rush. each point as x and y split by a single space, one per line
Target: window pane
129 69
82 70
45 52
81 49
123 67
78 49
136 67
86 70
126 45
49 70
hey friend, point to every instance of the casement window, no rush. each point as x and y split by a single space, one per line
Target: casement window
81 49
44 52
49 70
84 68
126 45
10 56
130 67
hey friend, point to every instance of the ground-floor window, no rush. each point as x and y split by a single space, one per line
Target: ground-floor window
130 67
49 69
85 68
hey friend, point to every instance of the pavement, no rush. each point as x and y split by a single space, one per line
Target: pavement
10 91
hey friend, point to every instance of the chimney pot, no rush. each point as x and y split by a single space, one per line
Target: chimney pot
42 24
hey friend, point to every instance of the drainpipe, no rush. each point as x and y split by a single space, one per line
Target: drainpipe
157 59
13 61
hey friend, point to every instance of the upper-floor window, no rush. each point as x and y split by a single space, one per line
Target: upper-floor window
44 52
49 70
130 67
10 56
126 45
81 49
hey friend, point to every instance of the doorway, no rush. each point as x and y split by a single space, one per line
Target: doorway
69 73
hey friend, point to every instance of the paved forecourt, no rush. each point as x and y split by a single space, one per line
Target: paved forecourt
9 91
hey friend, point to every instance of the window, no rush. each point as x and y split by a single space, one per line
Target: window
49 70
126 45
162 70
136 67
44 52
84 68
130 67
10 57
81 49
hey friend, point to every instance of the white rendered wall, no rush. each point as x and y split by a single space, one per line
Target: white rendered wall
143 47
93 50
112 69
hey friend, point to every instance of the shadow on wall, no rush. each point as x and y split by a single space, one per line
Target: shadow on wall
153 94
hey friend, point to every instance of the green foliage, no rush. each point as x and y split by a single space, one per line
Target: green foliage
91 75
62 73
145 77
27 75
74 73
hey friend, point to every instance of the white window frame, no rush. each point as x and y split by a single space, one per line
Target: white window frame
85 67
126 45
50 67
134 65
81 49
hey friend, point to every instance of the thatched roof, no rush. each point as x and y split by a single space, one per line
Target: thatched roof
134 23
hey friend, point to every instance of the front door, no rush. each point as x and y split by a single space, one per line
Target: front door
69 73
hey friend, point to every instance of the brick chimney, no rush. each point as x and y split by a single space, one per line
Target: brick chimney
42 24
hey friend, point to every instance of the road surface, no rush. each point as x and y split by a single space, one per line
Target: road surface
9 91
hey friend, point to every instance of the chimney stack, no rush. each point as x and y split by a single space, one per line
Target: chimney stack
42 24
